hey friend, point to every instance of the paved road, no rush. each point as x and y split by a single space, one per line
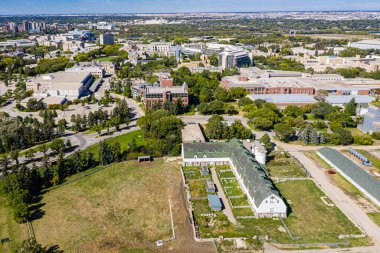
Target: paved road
83 140
227 208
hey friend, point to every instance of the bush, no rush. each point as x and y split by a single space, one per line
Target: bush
363 139
376 135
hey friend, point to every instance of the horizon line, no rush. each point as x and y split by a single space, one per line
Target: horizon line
192 12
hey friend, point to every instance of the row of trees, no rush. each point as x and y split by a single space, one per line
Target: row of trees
100 119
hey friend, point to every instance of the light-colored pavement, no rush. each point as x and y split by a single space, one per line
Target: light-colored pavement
227 208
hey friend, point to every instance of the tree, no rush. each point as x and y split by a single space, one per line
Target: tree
350 107
265 140
284 132
14 154
216 128
58 145
363 139
213 59
321 109
105 153
31 246
294 111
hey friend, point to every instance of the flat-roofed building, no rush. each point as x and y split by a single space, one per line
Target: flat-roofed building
366 44
362 101
352 172
60 84
89 67
283 100
153 95
107 39
259 81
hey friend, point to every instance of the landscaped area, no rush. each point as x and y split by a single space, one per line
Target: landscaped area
115 209
108 58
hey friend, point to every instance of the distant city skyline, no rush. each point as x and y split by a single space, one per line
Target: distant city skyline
14 7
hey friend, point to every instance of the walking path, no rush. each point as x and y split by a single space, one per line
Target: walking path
227 209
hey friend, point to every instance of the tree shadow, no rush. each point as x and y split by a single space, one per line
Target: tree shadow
53 249
36 211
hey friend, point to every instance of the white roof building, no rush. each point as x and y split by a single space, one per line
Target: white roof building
61 84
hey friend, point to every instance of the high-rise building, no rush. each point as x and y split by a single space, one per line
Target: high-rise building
107 39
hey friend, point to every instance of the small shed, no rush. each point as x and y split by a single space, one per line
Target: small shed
204 170
210 186
214 202
144 158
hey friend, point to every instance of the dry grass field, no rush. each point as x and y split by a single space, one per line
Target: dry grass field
123 208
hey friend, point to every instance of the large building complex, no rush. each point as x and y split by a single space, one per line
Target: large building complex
263 197
258 81
62 84
228 55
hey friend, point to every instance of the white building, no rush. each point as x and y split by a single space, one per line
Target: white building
105 26
160 47
264 199
87 67
61 84
366 44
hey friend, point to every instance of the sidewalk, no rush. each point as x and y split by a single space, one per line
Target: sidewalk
227 208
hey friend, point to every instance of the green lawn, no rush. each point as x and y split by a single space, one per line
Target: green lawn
123 140
375 217
10 229
313 222
108 58
284 167
117 209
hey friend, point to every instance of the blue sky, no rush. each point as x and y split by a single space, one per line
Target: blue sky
158 6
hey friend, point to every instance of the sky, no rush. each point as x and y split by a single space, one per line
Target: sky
11 7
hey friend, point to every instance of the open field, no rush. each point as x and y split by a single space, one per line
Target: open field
314 221
10 229
114 210
349 189
338 36
109 58
284 167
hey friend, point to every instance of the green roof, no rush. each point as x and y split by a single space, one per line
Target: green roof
254 176
353 171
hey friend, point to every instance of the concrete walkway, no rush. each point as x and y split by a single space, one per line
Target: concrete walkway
227 208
